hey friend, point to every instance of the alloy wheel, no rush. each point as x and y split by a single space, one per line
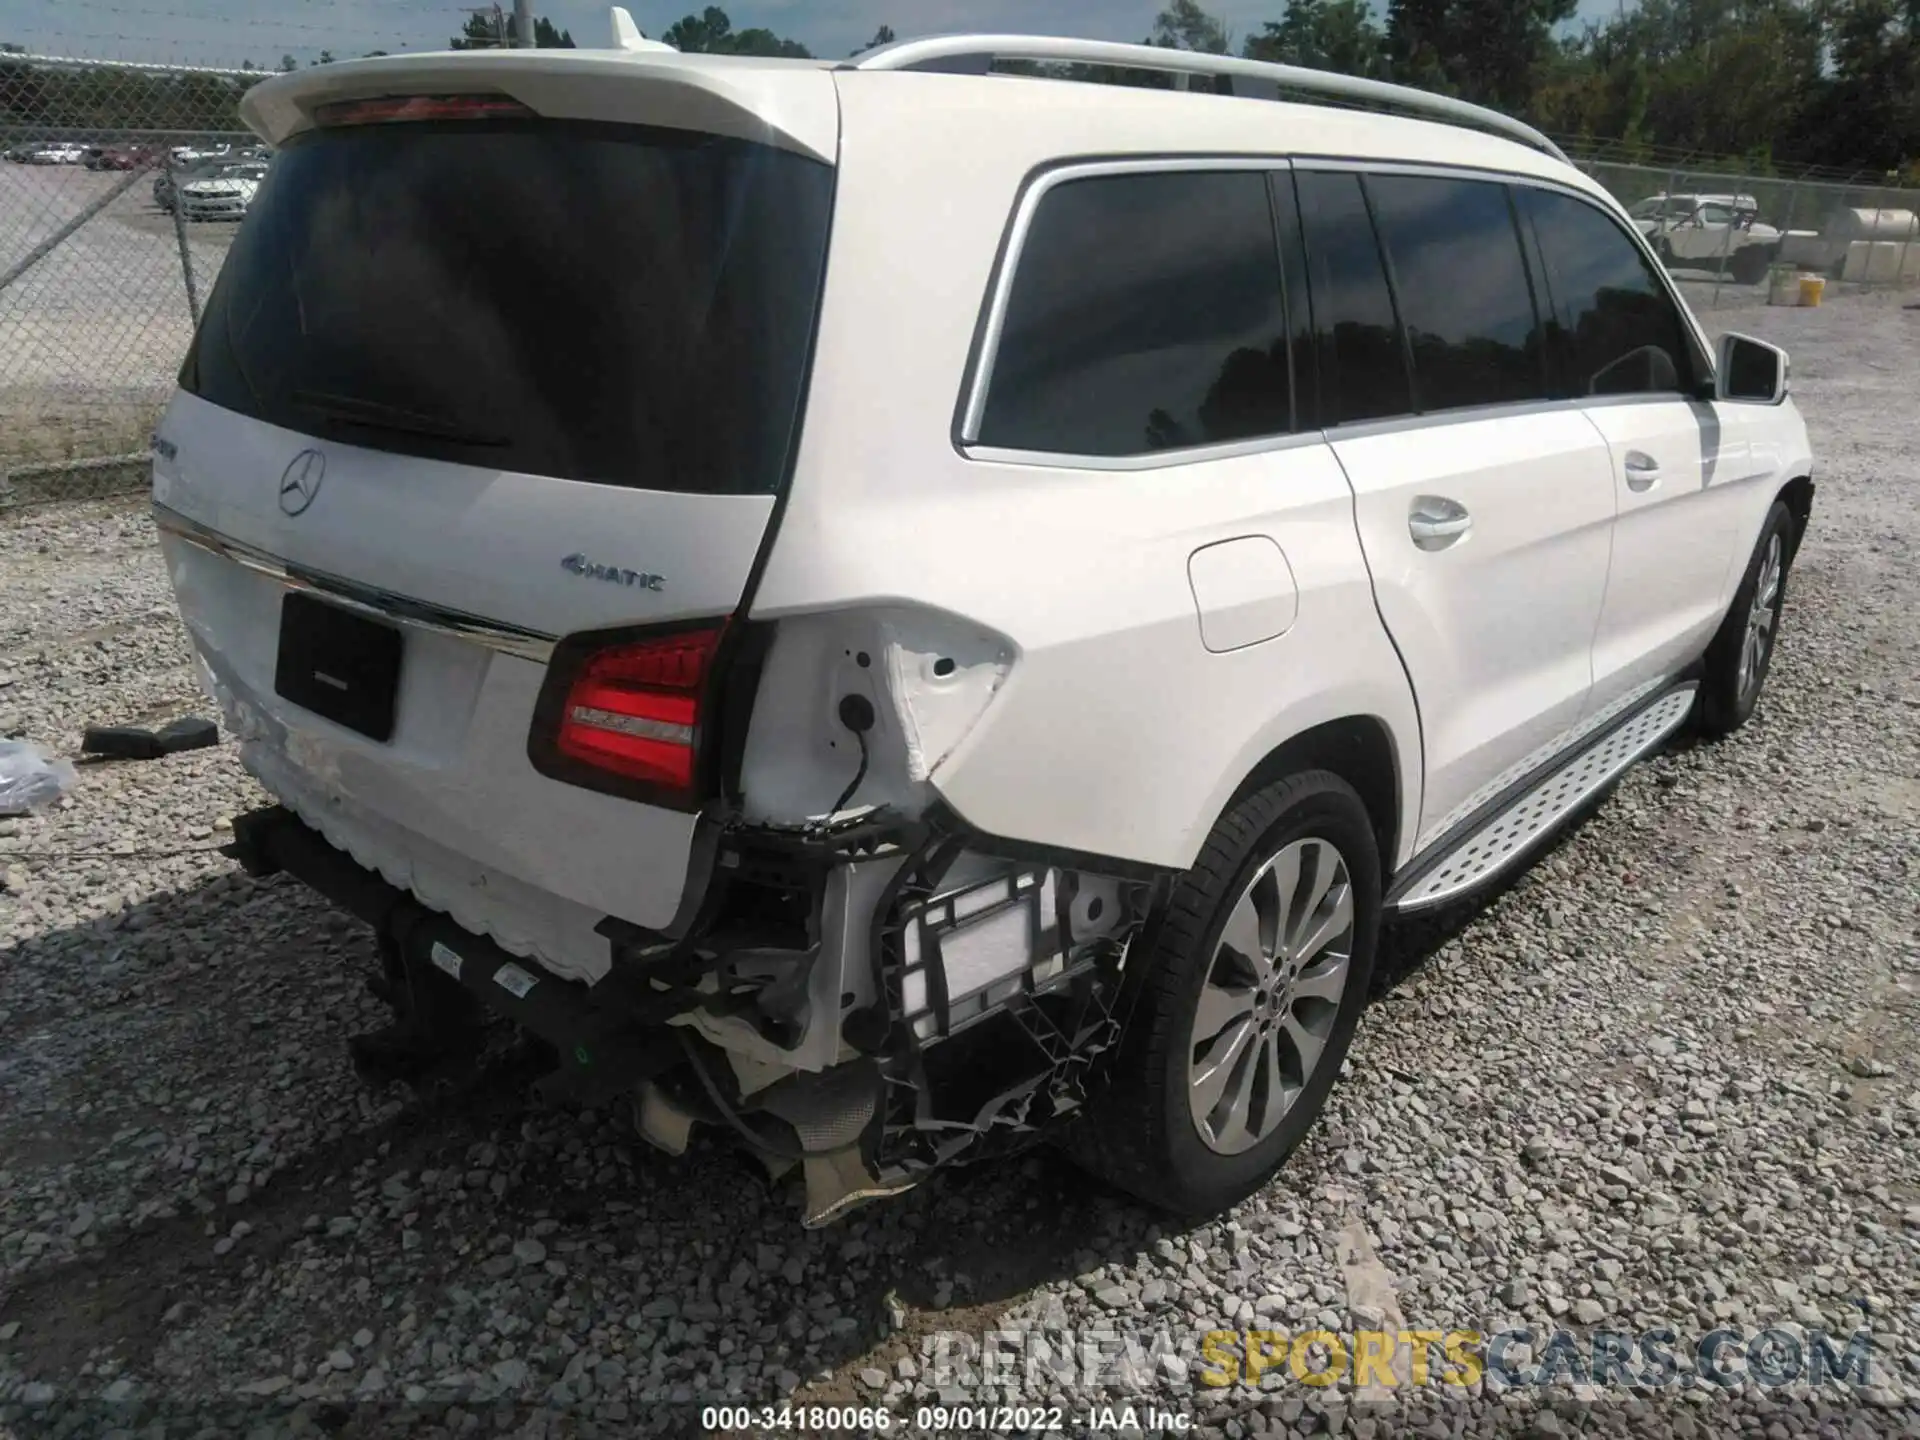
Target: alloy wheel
1761 618
1272 995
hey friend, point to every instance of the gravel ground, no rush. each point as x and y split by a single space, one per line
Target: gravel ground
1669 1075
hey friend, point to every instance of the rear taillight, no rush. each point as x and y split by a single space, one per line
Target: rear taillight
389 109
633 709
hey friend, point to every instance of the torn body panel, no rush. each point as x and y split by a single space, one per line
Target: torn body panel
894 980
929 677
974 988
858 984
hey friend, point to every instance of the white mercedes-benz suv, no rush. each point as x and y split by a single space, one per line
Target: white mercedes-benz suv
900 608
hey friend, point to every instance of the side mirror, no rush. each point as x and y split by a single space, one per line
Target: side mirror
1751 371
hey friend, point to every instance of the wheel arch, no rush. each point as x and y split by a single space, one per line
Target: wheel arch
1797 496
1360 750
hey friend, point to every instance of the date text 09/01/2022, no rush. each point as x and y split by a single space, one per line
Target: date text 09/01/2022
937 1419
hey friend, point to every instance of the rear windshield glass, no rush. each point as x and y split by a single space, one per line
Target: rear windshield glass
625 305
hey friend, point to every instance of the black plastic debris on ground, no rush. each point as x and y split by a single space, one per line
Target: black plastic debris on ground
133 742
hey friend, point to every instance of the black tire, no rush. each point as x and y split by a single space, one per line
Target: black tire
1750 264
1728 691
1139 1132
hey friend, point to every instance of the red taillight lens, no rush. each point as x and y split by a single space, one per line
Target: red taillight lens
634 709
389 109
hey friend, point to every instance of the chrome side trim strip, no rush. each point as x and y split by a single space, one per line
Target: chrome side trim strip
1150 460
367 599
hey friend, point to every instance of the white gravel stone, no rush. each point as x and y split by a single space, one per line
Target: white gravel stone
1665 1076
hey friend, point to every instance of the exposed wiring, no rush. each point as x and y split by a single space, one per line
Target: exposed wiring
753 1137
857 714
852 785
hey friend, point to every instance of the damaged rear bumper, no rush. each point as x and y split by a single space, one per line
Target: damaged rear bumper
871 1001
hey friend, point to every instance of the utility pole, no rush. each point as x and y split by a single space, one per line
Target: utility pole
523 24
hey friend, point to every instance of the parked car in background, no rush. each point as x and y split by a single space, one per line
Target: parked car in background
179 173
119 157
222 194
1708 231
56 155
199 154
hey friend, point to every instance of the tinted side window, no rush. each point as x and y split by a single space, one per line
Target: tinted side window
1465 299
1620 332
1145 315
1363 365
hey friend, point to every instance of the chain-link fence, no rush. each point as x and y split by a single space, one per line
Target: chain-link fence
1734 228
122 185
119 191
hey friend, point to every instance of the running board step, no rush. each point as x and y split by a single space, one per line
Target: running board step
1491 847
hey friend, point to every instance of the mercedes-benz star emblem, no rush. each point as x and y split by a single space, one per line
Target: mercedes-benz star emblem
300 481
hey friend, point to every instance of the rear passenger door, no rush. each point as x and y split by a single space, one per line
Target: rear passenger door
1625 353
1485 512
1167 535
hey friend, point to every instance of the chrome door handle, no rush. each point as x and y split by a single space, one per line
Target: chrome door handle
1643 471
1436 522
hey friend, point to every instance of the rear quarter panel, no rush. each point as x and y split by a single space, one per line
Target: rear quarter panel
1116 732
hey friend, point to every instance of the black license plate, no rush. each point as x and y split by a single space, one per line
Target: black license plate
339 665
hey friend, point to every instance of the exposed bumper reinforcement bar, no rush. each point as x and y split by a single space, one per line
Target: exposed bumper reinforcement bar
433 953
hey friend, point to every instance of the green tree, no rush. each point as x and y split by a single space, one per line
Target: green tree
42 97
882 36
288 64
1183 25
492 29
1336 35
1488 51
1722 77
1865 109
483 30
700 34
712 33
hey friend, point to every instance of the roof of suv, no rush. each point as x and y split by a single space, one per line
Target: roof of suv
795 104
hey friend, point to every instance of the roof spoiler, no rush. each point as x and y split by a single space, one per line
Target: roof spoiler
793 107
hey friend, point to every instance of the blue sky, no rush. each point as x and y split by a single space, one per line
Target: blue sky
225 32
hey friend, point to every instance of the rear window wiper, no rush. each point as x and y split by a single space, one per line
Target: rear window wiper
350 410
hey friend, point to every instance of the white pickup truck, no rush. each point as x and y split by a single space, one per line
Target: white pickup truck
1708 231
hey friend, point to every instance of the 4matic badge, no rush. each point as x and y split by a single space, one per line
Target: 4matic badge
578 564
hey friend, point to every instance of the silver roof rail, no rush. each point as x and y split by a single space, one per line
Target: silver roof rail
975 55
